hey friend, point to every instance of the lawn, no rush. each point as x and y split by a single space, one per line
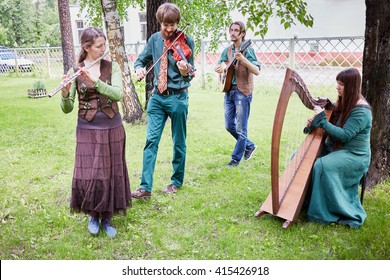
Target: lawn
211 218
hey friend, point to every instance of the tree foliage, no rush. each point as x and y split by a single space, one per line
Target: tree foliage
93 8
27 24
215 15
15 21
259 12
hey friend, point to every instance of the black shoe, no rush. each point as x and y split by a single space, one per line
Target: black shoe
232 163
249 152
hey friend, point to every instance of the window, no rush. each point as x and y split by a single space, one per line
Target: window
80 29
142 20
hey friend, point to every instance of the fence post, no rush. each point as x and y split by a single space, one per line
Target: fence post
203 64
136 49
291 49
48 61
16 63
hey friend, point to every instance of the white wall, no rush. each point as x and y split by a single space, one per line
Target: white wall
332 18
132 27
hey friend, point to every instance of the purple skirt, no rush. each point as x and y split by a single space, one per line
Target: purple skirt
100 185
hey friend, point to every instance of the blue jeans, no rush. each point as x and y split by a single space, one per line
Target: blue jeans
237 108
159 109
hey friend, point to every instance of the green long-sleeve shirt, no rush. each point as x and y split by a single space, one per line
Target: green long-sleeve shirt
153 50
113 91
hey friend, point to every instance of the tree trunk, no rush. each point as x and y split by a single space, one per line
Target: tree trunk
376 86
66 35
152 26
132 110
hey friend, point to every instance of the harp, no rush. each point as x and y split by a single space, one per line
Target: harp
288 190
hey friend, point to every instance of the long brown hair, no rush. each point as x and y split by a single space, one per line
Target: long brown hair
352 82
88 37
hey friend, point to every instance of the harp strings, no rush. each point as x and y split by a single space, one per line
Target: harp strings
292 139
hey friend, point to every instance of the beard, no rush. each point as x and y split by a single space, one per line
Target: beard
168 35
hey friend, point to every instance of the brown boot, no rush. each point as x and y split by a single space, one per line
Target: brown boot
141 194
170 189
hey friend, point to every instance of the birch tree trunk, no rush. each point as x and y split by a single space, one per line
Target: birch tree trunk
376 86
132 110
66 35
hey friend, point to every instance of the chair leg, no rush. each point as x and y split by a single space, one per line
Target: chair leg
363 184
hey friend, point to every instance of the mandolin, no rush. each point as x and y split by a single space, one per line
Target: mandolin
227 75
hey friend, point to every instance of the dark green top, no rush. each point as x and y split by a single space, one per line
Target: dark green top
336 174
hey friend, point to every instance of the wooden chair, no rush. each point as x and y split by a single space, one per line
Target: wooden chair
363 182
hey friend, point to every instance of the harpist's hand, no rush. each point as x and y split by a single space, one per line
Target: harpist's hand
308 121
318 109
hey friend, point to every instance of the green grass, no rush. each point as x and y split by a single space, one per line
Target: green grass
212 217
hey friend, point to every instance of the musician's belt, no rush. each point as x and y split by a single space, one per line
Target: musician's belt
169 92
234 87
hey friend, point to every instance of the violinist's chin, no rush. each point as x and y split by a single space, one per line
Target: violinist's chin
167 35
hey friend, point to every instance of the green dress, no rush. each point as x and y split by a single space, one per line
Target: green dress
336 174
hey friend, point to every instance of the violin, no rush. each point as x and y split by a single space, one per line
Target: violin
181 51
178 45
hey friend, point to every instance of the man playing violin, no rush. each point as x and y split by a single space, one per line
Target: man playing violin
238 94
172 76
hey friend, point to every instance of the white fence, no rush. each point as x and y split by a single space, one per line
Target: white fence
318 60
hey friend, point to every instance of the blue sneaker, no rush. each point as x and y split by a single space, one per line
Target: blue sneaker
108 228
93 226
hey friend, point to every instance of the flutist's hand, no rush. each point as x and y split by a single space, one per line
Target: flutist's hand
66 88
86 74
140 73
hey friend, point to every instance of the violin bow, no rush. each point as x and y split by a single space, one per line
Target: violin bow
164 52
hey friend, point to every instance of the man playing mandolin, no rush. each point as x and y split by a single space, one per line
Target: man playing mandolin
237 65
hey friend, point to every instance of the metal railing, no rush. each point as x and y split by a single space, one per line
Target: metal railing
318 60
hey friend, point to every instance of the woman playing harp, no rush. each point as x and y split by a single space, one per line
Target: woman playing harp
333 196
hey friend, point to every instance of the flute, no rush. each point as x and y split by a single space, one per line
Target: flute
75 75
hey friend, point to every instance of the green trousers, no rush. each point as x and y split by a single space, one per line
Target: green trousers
158 110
